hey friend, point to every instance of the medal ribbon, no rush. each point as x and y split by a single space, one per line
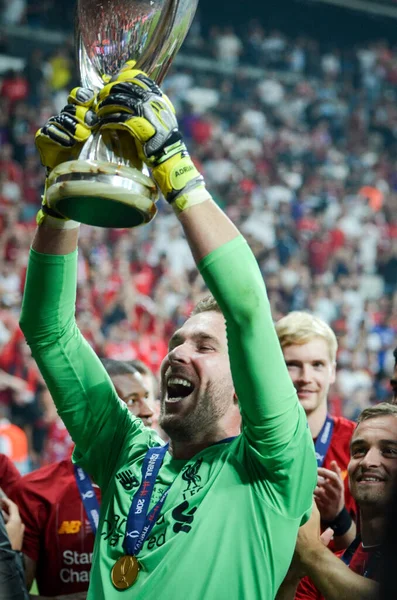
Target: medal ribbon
88 496
139 522
350 550
324 440
373 560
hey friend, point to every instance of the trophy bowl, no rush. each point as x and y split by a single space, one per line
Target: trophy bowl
107 186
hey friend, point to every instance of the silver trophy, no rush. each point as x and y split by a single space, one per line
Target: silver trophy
104 187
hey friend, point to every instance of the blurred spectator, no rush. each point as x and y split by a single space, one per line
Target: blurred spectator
14 88
13 12
60 70
228 47
34 73
388 269
13 443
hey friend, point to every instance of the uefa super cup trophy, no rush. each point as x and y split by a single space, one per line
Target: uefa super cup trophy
104 187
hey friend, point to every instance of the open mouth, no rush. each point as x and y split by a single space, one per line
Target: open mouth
178 388
370 479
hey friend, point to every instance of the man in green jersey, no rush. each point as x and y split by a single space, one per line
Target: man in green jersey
217 512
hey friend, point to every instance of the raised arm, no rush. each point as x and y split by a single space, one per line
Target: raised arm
59 140
274 422
83 393
219 250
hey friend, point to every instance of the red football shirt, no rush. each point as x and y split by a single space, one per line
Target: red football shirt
58 535
359 563
9 474
339 450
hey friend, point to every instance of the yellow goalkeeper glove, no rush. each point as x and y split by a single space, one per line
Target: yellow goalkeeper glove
61 139
133 102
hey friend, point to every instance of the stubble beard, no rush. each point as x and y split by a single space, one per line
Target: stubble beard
371 498
199 422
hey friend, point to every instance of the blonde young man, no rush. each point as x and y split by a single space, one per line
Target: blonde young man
309 346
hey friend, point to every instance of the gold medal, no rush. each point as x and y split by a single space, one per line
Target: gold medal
125 572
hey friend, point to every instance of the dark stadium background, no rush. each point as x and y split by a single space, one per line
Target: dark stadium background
315 18
327 22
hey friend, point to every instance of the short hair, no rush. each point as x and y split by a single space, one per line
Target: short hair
140 366
143 369
206 304
300 327
117 367
383 409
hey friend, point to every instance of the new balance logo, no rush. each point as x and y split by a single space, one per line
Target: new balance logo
70 527
127 480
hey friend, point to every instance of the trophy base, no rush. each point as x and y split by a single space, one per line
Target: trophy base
102 194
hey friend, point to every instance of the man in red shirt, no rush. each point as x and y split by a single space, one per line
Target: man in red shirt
9 474
372 476
59 506
309 346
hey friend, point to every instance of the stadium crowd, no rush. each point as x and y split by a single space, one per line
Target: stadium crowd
297 142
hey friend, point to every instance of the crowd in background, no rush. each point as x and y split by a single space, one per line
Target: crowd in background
303 158
44 13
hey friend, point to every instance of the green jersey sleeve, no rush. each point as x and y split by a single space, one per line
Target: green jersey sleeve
274 423
84 395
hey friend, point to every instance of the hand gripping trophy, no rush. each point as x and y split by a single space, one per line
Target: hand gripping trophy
106 185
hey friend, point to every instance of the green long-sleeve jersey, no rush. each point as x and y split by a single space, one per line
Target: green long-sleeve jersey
228 527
